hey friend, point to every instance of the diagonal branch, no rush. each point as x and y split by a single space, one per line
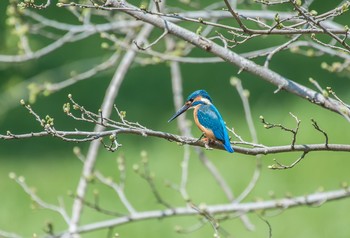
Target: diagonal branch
249 118
318 23
21 181
242 63
154 42
68 37
82 76
236 16
107 106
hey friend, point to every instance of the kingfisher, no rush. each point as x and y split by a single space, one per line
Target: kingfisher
206 117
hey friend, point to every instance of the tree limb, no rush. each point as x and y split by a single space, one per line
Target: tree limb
281 203
235 59
264 150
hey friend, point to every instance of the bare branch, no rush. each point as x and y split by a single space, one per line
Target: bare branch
21 181
153 43
82 76
330 90
199 19
148 176
318 23
176 81
135 128
279 48
110 183
127 29
235 15
107 106
314 123
244 95
231 57
68 37
280 203
6 234
269 125
280 166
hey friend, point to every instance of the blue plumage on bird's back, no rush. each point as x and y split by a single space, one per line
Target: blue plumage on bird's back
204 127
210 118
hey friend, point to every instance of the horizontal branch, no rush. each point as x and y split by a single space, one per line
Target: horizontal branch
184 17
74 33
68 37
315 199
258 149
259 14
87 27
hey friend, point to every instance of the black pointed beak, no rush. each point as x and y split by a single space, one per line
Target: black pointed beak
180 111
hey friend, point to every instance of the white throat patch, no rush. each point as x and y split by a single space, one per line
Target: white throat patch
205 100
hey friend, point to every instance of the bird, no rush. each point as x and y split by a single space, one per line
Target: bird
207 118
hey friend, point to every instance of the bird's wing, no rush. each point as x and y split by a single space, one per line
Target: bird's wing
210 118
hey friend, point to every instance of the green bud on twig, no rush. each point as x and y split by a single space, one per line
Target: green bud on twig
136 168
12 175
122 114
234 81
313 12
66 108
199 30
104 45
344 185
76 150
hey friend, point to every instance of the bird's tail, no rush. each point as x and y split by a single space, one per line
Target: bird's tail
228 147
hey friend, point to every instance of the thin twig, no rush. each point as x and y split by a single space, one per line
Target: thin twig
280 166
153 43
148 176
294 132
110 183
318 23
279 48
236 16
21 181
314 123
110 62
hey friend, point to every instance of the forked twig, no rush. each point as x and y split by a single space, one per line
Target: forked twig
269 125
316 126
280 166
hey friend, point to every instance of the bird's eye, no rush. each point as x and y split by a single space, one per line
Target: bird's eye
192 99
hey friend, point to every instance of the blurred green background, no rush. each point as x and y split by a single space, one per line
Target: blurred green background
51 168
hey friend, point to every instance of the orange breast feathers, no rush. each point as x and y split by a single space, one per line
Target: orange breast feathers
207 132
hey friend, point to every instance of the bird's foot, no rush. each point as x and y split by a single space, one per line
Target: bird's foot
207 147
206 143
